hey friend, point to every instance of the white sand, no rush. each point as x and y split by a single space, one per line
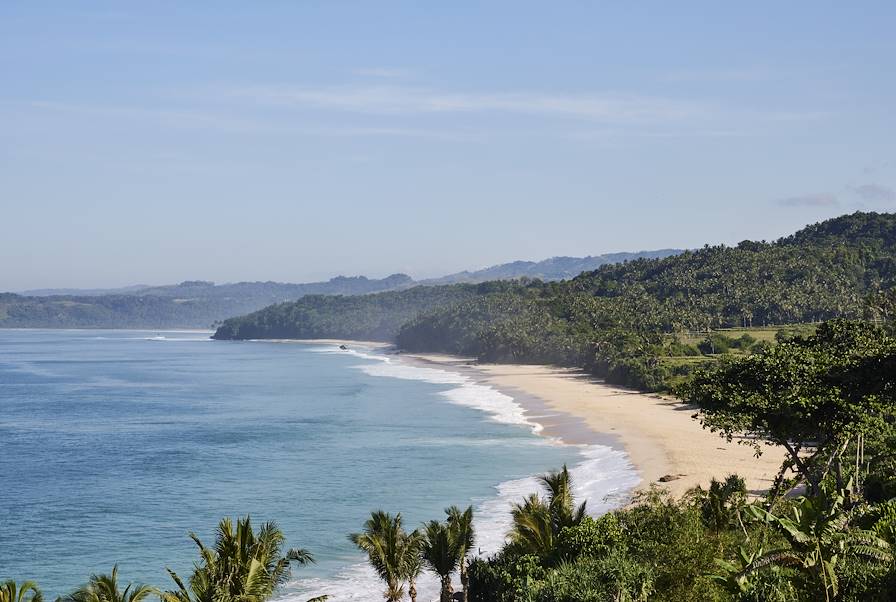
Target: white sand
659 435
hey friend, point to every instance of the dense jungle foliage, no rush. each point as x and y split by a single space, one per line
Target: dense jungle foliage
621 321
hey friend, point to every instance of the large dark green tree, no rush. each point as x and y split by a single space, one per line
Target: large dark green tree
810 395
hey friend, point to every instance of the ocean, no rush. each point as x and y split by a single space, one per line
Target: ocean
114 445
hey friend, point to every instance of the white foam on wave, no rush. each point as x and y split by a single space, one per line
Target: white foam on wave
466 392
173 339
356 582
604 477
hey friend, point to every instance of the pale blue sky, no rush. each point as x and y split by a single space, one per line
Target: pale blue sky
154 142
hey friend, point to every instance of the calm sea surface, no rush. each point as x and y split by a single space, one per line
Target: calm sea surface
115 444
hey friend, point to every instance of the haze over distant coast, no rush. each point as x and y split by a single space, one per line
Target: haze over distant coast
199 303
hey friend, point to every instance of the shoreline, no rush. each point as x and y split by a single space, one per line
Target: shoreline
658 435
377 345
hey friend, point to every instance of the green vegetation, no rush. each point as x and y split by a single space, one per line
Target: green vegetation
539 522
26 592
243 566
198 303
823 392
631 323
104 588
371 317
398 556
191 304
393 553
826 531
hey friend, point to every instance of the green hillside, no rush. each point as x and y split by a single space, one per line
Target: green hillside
616 321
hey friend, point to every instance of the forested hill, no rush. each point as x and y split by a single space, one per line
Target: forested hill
376 317
614 320
190 304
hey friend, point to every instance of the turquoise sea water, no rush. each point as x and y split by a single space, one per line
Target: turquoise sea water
115 444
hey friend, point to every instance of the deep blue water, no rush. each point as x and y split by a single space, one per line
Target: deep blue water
115 444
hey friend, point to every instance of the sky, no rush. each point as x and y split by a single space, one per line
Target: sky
156 142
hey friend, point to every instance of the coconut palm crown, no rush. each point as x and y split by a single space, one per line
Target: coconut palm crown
27 592
104 588
393 553
537 521
441 553
461 522
243 566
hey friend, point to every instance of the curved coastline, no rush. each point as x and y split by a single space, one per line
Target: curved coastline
659 435
602 474
667 446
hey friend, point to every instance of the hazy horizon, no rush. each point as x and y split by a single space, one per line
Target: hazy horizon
296 142
376 276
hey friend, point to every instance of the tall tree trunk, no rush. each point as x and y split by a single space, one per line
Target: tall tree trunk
412 589
446 589
464 579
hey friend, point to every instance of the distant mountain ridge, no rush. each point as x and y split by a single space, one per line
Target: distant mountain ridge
190 304
279 291
201 303
554 268
84 292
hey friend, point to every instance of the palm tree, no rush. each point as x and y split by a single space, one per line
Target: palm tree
243 566
104 588
393 553
414 561
560 499
441 553
461 523
819 537
533 531
27 592
537 522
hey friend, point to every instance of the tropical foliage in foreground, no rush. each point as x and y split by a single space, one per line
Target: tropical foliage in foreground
243 566
711 545
398 557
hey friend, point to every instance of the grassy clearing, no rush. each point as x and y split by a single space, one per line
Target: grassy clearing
760 333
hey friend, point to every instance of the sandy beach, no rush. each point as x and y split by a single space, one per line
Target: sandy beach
659 435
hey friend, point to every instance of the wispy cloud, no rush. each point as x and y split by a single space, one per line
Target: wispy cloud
820 199
167 117
404 100
747 74
875 193
225 122
383 72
